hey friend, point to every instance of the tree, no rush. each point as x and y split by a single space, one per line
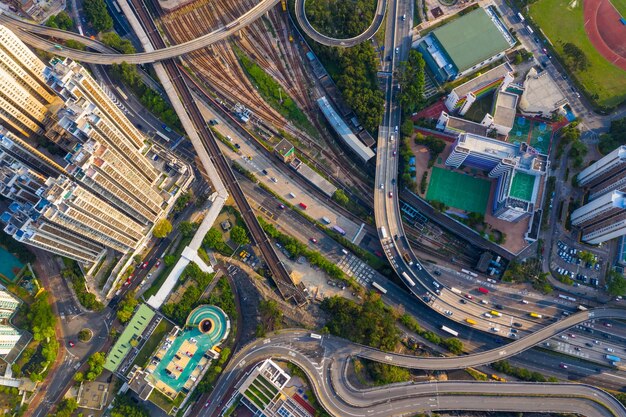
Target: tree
341 198
616 283
212 239
406 128
66 408
40 318
127 307
187 229
98 15
454 345
182 201
114 40
271 316
96 365
79 377
169 260
162 228
239 236
575 57
411 82
123 406
61 21
615 137
587 257
84 335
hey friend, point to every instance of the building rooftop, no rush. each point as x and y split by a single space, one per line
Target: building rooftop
133 330
541 93
504 109
471 39
284 147
485 145
522 186
463 125
483 80
92 395
344 131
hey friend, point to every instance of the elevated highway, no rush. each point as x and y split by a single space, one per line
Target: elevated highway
326 361
318 37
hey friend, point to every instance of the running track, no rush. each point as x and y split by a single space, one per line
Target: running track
605 31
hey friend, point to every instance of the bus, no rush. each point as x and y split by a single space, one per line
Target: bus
449 330
495 313
520 16
338 230
379 287
470 321
407 259
483 290
383 232
529 29
568 298
121 93
408 279
465 271
456 290
316 336
162 136
474 274
535 315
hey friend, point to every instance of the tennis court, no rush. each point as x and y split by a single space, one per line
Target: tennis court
520 130
522 186
458 190
540 136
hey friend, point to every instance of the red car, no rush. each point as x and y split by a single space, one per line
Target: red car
313 240
158 263
71 343
144 265
281 206
468 296
207 404
127 283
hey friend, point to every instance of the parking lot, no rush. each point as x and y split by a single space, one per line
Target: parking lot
356 268
567 261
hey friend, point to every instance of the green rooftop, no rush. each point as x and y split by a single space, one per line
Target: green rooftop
471 39
522 186
135 328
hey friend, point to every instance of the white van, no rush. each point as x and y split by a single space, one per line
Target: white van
292 195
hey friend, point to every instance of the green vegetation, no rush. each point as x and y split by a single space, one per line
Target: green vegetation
570 135
435 146
183 200
273 93
85 335
114 41
162 228
565 279
521 373
223 297
587 257
528 271
61 21
98 15
96 366
604 83
179 310
297 249
187 229
239 235
371 323
152 342
616 283
477 375
406 176
39 319
411 83
66 408
271 317
157 105
214 240
614 138
71 43
352 204
340 18
126 307
74 275
123 406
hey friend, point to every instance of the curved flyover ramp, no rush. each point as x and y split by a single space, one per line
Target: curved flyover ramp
329 380
306 26
139 58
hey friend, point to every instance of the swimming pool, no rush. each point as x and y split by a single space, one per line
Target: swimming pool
9 264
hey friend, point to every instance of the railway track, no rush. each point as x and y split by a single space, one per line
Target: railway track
283 281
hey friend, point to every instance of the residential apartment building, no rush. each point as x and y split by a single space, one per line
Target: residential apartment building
101 187
603 218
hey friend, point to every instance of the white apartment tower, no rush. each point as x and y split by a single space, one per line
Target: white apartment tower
104 194
603 218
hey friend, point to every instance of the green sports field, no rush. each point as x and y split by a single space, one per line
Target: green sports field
620 5
562 21
522 186
458 190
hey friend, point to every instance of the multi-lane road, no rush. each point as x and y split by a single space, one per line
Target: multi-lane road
326 362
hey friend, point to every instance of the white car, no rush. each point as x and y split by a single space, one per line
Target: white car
448 312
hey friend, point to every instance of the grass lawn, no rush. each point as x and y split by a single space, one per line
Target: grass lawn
620 5
561 24
458 190
480 108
